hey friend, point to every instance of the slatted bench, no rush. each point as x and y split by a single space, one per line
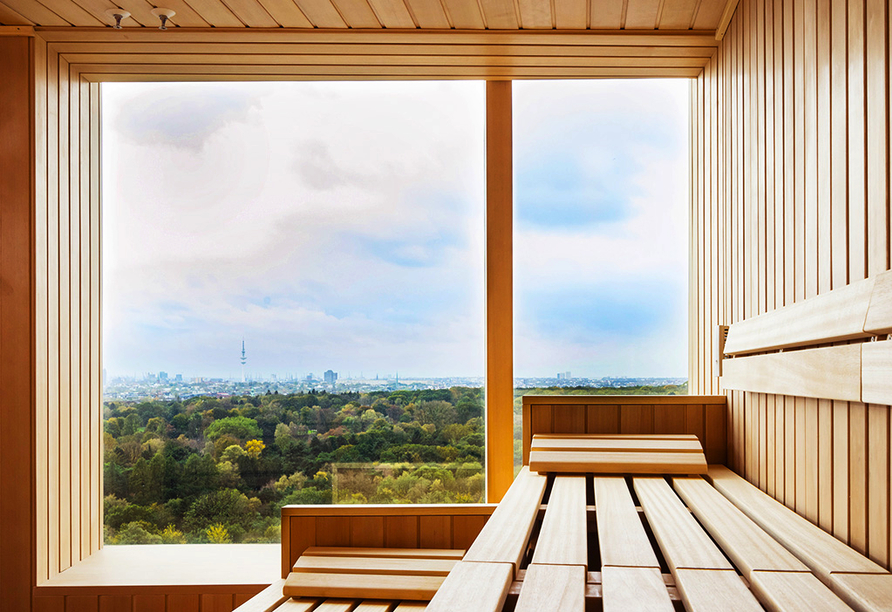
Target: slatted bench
647 538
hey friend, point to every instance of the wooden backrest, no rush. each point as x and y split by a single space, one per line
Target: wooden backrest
701 415
859 371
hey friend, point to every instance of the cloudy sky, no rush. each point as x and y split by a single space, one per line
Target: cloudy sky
340 225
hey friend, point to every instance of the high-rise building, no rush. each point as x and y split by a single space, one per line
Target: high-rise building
330 376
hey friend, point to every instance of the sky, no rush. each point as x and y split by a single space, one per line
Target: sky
340 226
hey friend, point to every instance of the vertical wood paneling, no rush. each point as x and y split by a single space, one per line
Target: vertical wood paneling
66 337
791 156
16 322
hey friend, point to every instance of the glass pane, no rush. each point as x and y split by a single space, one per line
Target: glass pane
292 302
600 237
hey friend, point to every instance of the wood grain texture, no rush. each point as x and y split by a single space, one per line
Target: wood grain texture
712 589
864 591
362 586
794 591
412 566
621 536
268 599
589 462
745 543
499 288
876 384
835 315
825 228
16 323
563 538
505 536
820 551
704 416
629 589
879 312
474 586
682 540
833 372
552 588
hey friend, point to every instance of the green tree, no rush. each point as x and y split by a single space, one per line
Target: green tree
239 427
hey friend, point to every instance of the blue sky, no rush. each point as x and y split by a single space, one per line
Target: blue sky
340 225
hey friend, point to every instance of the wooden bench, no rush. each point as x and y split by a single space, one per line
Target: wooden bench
558 542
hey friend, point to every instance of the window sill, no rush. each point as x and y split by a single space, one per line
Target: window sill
174 565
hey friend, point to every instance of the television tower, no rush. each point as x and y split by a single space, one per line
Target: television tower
244 360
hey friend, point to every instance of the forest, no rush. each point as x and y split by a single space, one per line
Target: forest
219 469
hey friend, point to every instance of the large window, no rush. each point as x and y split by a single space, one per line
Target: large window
292 302
600 237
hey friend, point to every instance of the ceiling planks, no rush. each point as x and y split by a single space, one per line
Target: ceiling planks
286 13
378 14
535 14
11 17
607 14
66 9
393 13
642 14
321 13
357 13
429 14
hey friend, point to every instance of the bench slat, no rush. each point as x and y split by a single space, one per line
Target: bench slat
374 565
819 550
740 538
390 553
594 442
794 592
335 605
634 589
411 606
563 539
305 605
552 588
621 535
577 462
682 540
268 599
373 606
361 586
714 590
864 592
477 587
506 534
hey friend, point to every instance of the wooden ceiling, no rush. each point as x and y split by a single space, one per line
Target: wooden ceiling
639 15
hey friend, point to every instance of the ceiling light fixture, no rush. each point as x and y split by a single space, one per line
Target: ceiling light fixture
118 15
164 15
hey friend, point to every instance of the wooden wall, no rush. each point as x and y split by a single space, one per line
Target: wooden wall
67 366
146 599
790 199
16 261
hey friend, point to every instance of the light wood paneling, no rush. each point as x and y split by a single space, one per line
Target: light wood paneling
465 14
821 224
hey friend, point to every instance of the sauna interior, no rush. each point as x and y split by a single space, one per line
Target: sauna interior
790 309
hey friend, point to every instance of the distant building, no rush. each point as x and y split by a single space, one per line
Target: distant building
178 378
330 377
564 376
162 376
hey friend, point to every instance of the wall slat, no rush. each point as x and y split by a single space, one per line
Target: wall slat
803 179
